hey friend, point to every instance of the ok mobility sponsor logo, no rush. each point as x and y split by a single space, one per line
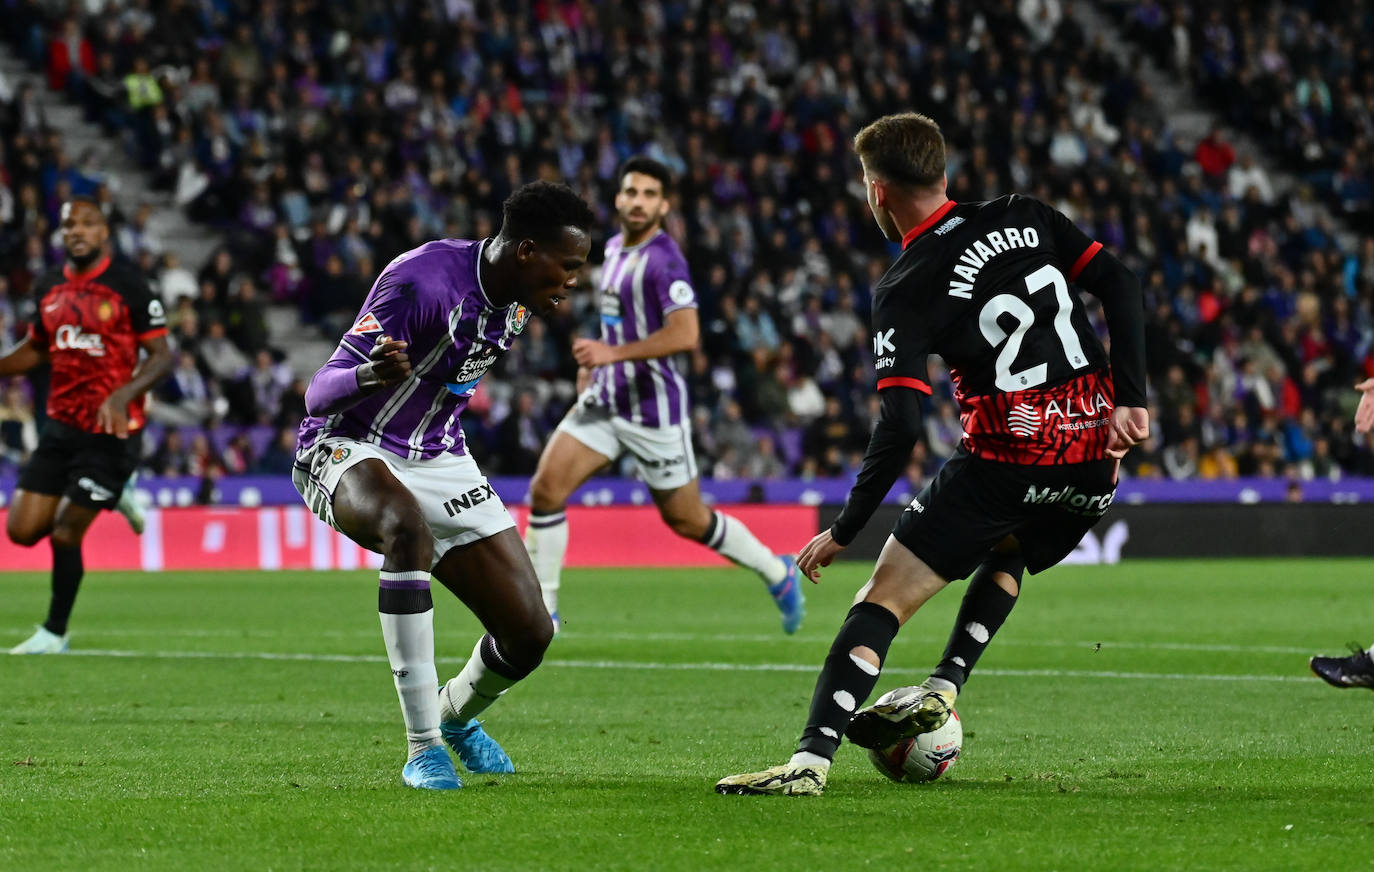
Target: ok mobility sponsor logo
1070 499
883 345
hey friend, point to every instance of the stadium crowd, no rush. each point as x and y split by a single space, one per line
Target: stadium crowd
323 138
1308 79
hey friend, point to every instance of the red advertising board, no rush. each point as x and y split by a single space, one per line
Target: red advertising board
292 538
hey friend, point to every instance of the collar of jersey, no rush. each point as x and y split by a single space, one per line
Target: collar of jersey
926 224
99 267
638 245
477 273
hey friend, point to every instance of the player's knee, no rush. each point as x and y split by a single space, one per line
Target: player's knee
687 527
67 535
545 496
1006 569
525 644
22 535
404 534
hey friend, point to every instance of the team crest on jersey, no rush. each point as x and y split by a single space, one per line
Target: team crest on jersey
366 324
517 318
340 454
104 311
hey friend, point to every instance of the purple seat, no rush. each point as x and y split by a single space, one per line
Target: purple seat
260 439
790 445
221 436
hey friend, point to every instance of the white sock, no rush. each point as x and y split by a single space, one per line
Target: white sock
733 541
472 690
410 648
546 538
807 759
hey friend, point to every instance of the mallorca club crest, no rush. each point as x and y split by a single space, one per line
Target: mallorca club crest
105 311
517 318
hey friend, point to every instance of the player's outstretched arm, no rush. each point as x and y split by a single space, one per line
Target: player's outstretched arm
1123 303
1110 281
340 385
22 358
889 451
113 415
680 332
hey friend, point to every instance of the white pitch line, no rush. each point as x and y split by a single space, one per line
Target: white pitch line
763 638
1001 642
672 667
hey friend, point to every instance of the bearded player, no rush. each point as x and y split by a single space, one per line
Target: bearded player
635 402
94 315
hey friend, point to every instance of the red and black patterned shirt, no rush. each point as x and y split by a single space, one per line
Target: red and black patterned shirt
986 286
91 324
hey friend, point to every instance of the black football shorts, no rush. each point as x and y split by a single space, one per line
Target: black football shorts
90 469
973 504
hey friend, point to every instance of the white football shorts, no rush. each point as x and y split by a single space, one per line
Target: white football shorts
662 455
458 504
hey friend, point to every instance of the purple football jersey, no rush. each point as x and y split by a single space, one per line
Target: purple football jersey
640 285
432 298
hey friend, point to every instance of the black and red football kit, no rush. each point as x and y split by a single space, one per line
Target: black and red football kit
91 324
987 287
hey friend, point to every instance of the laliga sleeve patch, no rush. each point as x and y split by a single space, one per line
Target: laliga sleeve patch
366 324
681 293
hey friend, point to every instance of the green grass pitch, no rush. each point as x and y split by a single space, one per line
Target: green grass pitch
1151 715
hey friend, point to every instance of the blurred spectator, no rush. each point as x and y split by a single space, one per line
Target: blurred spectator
280 455
18 429
319 160
520 437
184 399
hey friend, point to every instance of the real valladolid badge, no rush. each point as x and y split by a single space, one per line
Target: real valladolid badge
517 318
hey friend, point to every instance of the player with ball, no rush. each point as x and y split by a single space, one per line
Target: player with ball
1046 415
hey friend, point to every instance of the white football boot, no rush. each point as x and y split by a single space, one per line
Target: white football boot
43 641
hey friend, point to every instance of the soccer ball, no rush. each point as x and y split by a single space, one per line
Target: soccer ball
924 757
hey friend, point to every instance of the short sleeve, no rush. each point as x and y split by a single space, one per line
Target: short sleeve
146 314
38 331
673 286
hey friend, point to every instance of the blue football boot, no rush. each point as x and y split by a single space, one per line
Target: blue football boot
788 595
431 769
478 751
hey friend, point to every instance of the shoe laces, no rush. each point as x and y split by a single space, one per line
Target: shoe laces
475 745
431 764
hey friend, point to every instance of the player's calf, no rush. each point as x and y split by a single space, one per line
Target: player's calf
491 671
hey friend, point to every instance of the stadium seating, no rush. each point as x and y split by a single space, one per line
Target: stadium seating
321 142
